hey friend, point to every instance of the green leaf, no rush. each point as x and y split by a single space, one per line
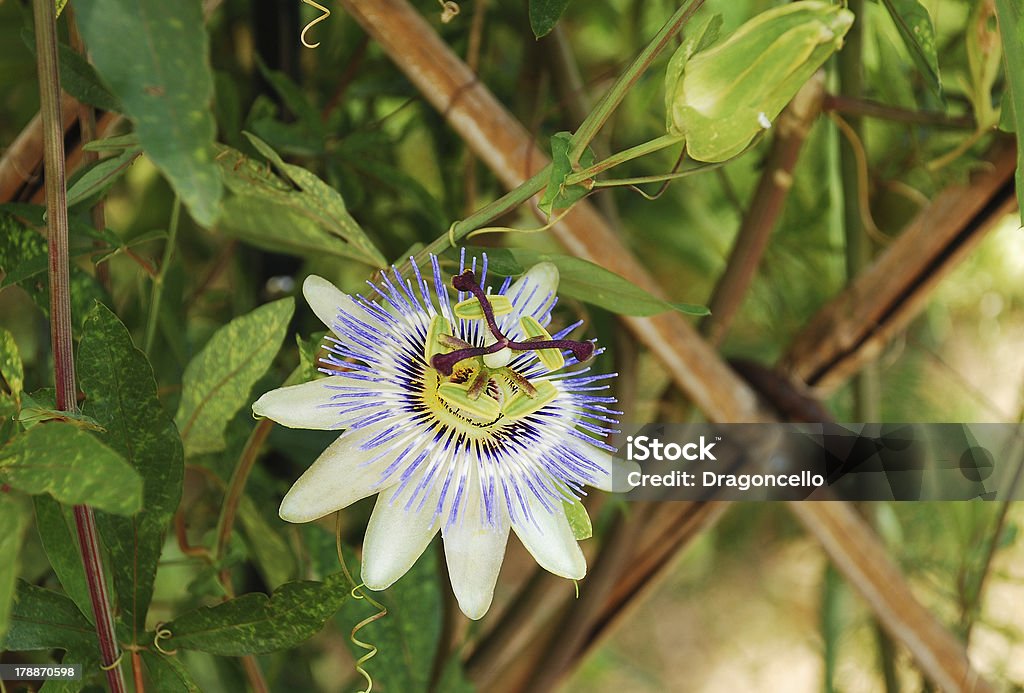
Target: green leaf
23 261
101 176
78 77
579 520
270 213
1011 28
116 143
168 674
13 520
120 394
154 57
72 466
323 204
42 619
544 15
918 33
22 252
11 370
33 413
217 382
55 524
557 195
587 282
293 97
257 624
268 548
89 658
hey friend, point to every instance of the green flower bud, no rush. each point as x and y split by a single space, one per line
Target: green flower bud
720 98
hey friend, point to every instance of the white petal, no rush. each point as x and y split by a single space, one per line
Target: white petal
395 538
337 478
613 472
474 550
306 405
550 540
326 300
533 294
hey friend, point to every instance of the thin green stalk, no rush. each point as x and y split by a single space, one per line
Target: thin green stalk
858 244
606 106
236 486
60 318
659 178
158 282
581 139
655 145
504 204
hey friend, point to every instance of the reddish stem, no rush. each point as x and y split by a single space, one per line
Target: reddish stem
60 318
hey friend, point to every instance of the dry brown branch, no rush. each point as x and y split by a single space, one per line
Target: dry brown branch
503 144
854 326
22 161
764 210
856 553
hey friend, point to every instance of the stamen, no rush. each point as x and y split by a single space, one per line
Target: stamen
466 281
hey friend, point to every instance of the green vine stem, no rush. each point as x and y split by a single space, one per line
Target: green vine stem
60 319
580 141
655 145
158 282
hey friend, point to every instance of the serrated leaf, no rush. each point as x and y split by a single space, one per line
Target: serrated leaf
1011 29
168 674
42 619
101 176
71 465
13 520
55 524
11 369
557 195
544 15
257 624
579 519
270 213
323 204
218 381
154 57
918 34
587 282
121 394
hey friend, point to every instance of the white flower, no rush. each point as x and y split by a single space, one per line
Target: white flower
458 418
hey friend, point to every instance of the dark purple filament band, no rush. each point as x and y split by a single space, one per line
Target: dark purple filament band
445 363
